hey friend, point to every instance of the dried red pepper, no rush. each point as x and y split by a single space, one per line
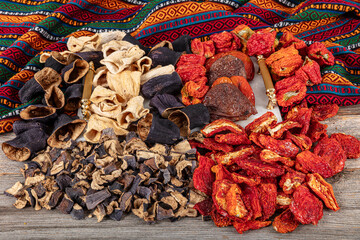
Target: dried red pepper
288 39
349 143
261 124
286 96
203 178
262 43
221 125
189 59
309 72
318 52
306 207
285 222
191 72
284 62
243 32
323 190
284 148
324 111
332 152
232 138
224 42
315 164
195 89
206 49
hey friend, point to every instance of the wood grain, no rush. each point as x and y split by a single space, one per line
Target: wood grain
30 224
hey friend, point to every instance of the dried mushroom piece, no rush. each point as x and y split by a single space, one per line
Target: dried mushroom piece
39 113
154 129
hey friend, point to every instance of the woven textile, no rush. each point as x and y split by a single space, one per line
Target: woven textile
31 27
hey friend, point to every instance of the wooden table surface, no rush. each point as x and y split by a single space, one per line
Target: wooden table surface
30 224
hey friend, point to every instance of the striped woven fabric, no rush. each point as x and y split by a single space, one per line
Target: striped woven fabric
30 27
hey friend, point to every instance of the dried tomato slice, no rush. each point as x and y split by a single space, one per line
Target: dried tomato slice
203 178
220 220
284 148
261 124
350 144
300 140
306 207
235 206
323 190
285 222
272 157
250 196
233 139
316 131
221 125
250 225
315 164
291 180
204 207
231 157
257 167
268 194
324 111
331 150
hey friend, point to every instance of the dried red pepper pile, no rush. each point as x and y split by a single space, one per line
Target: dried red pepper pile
252 174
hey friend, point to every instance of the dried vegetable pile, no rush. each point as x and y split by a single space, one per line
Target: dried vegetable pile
252 174
111 179
147 161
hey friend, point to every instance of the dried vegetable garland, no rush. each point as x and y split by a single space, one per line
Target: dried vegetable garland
139 160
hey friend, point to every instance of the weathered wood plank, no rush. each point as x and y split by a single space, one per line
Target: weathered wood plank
30 224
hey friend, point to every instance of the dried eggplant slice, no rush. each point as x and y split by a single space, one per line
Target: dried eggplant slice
165 104
30 90
182 43
226 66
75 71
22 126
154 129
169 83
65 130
190 117
227 101
39 113
164 56
73 96
27 143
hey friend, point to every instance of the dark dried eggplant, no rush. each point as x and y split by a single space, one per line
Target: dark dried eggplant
66 129
75 71
169 83
154 129
93 56
227 101
26 144
190 117
131 39
226 66
31 89
73 96
182 43
165 104
39 113
164 56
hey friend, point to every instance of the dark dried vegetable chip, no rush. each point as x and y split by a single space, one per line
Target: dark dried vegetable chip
169 83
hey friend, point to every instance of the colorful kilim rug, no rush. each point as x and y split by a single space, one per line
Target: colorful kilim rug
30 27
